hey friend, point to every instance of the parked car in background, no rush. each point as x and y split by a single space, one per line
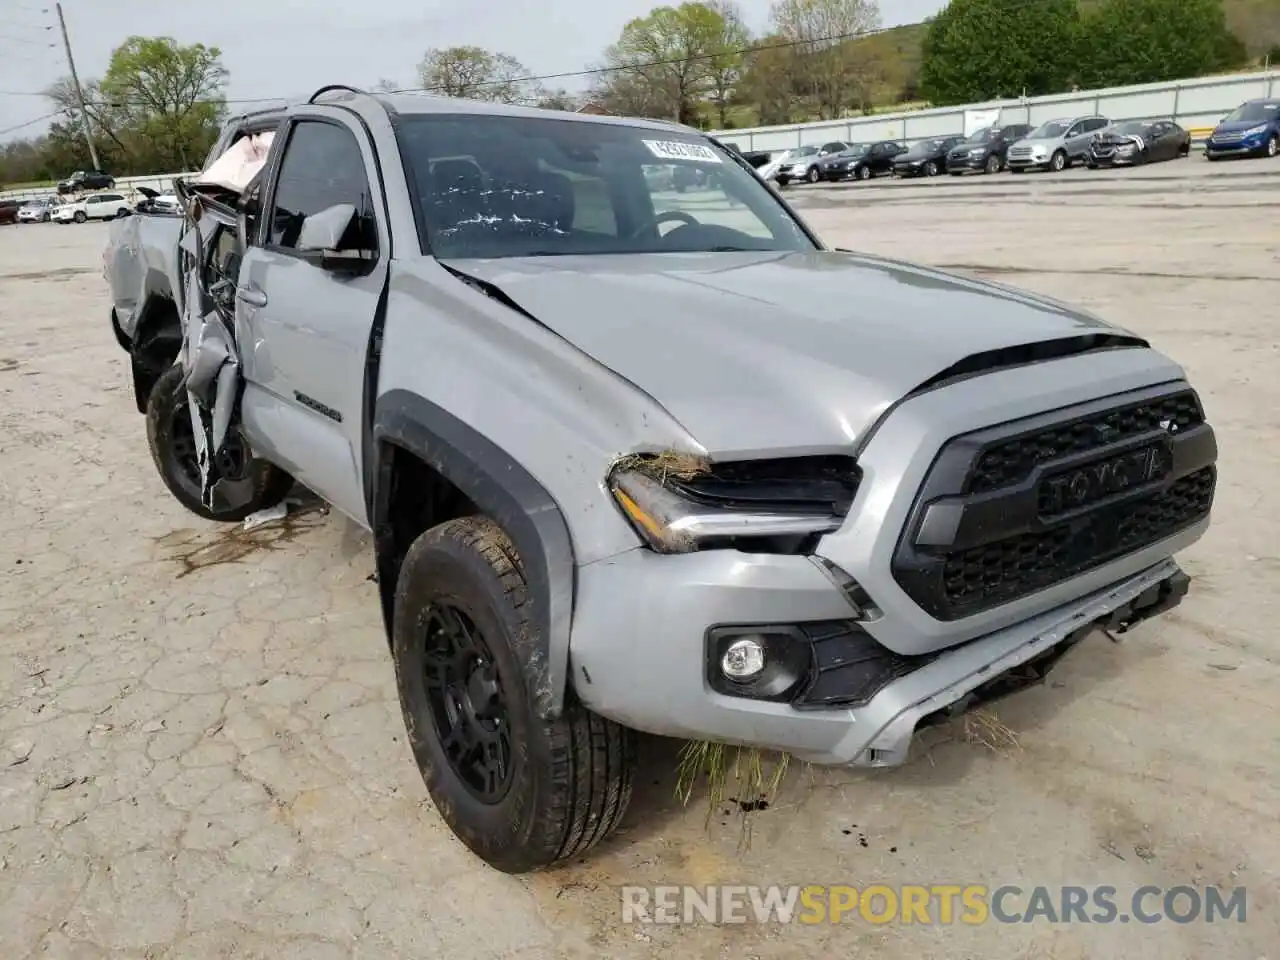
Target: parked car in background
37 211
805 163
86 180
99 206
985 150
1252 129
1055 145
153 201
757 158
863 161
9 211
1138 141
928 158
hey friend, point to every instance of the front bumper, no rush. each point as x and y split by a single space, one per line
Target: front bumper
1249 146
1114 158
640 663
965 163
1031 162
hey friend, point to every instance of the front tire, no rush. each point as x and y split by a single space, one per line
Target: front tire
930 169
79 216
1059 162
258 484
521 792
993 164
864 173
814 175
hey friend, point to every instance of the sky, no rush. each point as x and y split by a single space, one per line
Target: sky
288 48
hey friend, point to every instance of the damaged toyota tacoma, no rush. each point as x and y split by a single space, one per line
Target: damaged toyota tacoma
641 459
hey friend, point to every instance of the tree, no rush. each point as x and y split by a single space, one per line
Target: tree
727 57
157 109
665 63
1146 41
557 100
771 81
826 65
474 73
977 50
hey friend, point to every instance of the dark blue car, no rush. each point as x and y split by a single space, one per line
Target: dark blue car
1251 130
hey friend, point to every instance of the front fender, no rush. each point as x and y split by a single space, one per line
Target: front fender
507 492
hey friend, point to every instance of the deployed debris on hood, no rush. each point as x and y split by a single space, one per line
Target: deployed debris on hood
213 240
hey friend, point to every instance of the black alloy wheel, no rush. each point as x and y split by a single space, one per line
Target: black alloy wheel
467 703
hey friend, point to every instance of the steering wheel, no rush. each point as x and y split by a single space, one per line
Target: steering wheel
661 218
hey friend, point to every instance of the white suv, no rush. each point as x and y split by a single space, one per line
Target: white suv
98 206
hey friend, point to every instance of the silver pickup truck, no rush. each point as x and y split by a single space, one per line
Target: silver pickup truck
641 459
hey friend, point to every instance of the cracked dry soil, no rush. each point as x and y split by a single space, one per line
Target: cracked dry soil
201 755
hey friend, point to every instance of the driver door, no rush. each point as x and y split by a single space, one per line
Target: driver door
304 328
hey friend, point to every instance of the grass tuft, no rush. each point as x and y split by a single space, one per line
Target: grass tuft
986 729
668 464
753 776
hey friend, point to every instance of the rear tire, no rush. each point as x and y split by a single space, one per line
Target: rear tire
522 793
172 443
1273 145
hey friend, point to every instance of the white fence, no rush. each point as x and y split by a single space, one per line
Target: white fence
1197 105
125 185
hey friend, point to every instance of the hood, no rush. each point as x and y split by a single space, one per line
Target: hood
762 352
1046 142
1240 126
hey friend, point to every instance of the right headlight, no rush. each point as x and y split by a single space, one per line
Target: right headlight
764 505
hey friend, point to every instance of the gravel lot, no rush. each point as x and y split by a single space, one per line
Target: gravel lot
201 754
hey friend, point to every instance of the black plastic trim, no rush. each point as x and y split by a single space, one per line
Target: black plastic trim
511 496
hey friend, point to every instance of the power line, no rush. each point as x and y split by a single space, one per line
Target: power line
34 43
30 123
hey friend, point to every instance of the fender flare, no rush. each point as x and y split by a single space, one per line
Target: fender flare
505 491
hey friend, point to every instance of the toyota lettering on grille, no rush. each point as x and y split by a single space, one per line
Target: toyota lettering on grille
1099 481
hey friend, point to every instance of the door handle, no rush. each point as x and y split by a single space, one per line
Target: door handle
253 296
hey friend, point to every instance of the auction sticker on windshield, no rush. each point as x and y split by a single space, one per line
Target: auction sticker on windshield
679 150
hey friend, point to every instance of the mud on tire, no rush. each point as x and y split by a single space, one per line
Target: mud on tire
172 445
521 792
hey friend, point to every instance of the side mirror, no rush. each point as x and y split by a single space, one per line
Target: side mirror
322 232
320 240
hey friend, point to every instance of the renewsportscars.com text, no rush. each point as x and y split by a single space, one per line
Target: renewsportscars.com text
935 904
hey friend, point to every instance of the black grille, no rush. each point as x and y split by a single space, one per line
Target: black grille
1010 462
1020 565
1018 508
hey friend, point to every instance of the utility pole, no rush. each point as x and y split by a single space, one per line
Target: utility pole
75 81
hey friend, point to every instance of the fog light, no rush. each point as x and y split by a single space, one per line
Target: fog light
743 660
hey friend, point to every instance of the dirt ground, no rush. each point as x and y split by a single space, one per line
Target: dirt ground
201 753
